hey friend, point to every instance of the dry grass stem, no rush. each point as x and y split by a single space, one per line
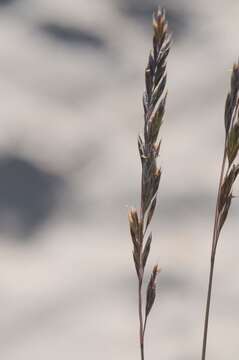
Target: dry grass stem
229 173
154 99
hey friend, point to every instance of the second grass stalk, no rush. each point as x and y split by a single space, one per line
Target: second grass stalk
229 173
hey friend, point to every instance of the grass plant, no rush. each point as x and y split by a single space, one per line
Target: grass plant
229 173
154 101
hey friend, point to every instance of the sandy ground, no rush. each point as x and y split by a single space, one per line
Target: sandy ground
71 82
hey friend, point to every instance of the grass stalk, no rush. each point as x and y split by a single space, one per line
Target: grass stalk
154 100
229 173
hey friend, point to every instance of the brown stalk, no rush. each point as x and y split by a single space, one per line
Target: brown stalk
229 173
154 99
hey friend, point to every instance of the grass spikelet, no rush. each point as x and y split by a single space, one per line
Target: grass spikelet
229 173
154 100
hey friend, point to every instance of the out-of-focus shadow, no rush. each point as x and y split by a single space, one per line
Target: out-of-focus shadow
28 196
141 11
71 35
41 315
6 2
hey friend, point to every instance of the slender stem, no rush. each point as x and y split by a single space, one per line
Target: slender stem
141 328
141 323
213 254
207 309
145 322
141 239
215 228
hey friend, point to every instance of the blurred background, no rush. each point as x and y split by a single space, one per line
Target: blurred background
71 83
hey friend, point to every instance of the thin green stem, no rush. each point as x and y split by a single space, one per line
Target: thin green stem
208 308
141 328
213 254
141 236
145 322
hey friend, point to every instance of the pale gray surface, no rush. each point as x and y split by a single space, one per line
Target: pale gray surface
71 81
